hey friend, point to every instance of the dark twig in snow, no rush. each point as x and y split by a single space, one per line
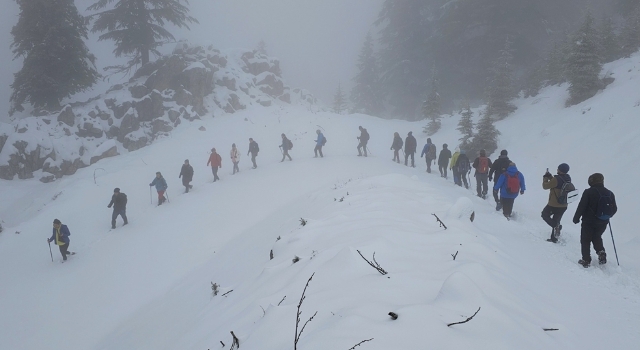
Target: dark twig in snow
465 321
550 329
271 255
297 338
440 221
222 344
236 342
454 255
374 264
364 341
394 316
227 292
282 300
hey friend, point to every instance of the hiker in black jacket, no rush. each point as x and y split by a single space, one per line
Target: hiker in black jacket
285 147
443 160
364 139
253 149
410 145
186 173
596 201
396 146
119 204
498 168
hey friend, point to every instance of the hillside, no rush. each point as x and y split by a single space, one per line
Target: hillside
148 285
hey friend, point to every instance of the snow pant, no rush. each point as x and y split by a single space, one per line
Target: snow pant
185 183
553 215
114 216
317 150
235 167
443 170
460 178
591 233
482 184
362 146
396 155
496 194
64 250
406 159
429 161
507 206
214 171
161 198
285 153
253 160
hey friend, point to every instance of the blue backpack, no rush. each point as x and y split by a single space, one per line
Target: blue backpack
604 209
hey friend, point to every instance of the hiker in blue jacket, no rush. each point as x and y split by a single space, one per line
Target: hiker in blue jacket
510 183
320 141
61 237
161 186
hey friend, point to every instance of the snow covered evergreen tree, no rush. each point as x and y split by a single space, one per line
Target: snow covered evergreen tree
501 91
138 26
554 68
465 126
366 95
486 136
339 101
49 37
609 43
584 63
431 107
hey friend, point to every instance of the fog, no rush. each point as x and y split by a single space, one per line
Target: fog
317 42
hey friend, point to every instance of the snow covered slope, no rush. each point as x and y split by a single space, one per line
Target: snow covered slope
148 285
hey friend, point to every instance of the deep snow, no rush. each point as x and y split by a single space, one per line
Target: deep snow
148 285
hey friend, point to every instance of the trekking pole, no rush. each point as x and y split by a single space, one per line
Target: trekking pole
402 149
167 193
614 244
50 253
369 151
150 196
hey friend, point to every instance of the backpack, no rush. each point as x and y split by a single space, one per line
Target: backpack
483 165
565 189
603 210
290 144
365 135
513 183
324 140
257 147
463 164
431 152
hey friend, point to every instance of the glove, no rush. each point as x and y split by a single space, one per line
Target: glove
48 240
108 206
390 148
490 178
547 174
150 185
576 220
522 192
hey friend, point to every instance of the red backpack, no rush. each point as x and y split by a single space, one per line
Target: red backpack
513 183
483 165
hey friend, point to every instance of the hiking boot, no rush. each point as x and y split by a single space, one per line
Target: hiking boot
498 206
556 231
584 263
552 240
602 257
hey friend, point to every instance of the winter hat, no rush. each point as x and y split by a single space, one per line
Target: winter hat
56 221
503 152
318 131
563 168
463 151
596 179
483 153
116 190
429 140
410 133
457 149
445 145
158 173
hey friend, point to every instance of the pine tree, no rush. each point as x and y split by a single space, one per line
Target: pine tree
554 68
486 137
138 26
431 107
630 36
534 81
465 126
339 101
56 62
501 90
584 63
366 95
609 43
262 48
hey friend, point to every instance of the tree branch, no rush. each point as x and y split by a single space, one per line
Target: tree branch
374 264
440 221
297 337
465 321
364 341
454 255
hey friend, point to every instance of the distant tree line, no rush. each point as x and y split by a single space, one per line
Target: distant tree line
49 38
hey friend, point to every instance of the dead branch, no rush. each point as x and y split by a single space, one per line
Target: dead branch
303 222
374 264
440 221
236 342
227 292
263 312
297 337
473 216
222 344
364 341
295 259
454 255
550 329
465 321
394 316
271 255
282 300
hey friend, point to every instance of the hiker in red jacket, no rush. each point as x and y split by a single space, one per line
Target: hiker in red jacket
216 162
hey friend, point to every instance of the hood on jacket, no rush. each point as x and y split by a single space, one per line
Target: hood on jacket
512 170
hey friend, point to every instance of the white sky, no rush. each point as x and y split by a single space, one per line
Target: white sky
317 41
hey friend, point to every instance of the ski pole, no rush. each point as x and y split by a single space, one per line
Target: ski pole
368 150
150 196
614 244
167 193
50 253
